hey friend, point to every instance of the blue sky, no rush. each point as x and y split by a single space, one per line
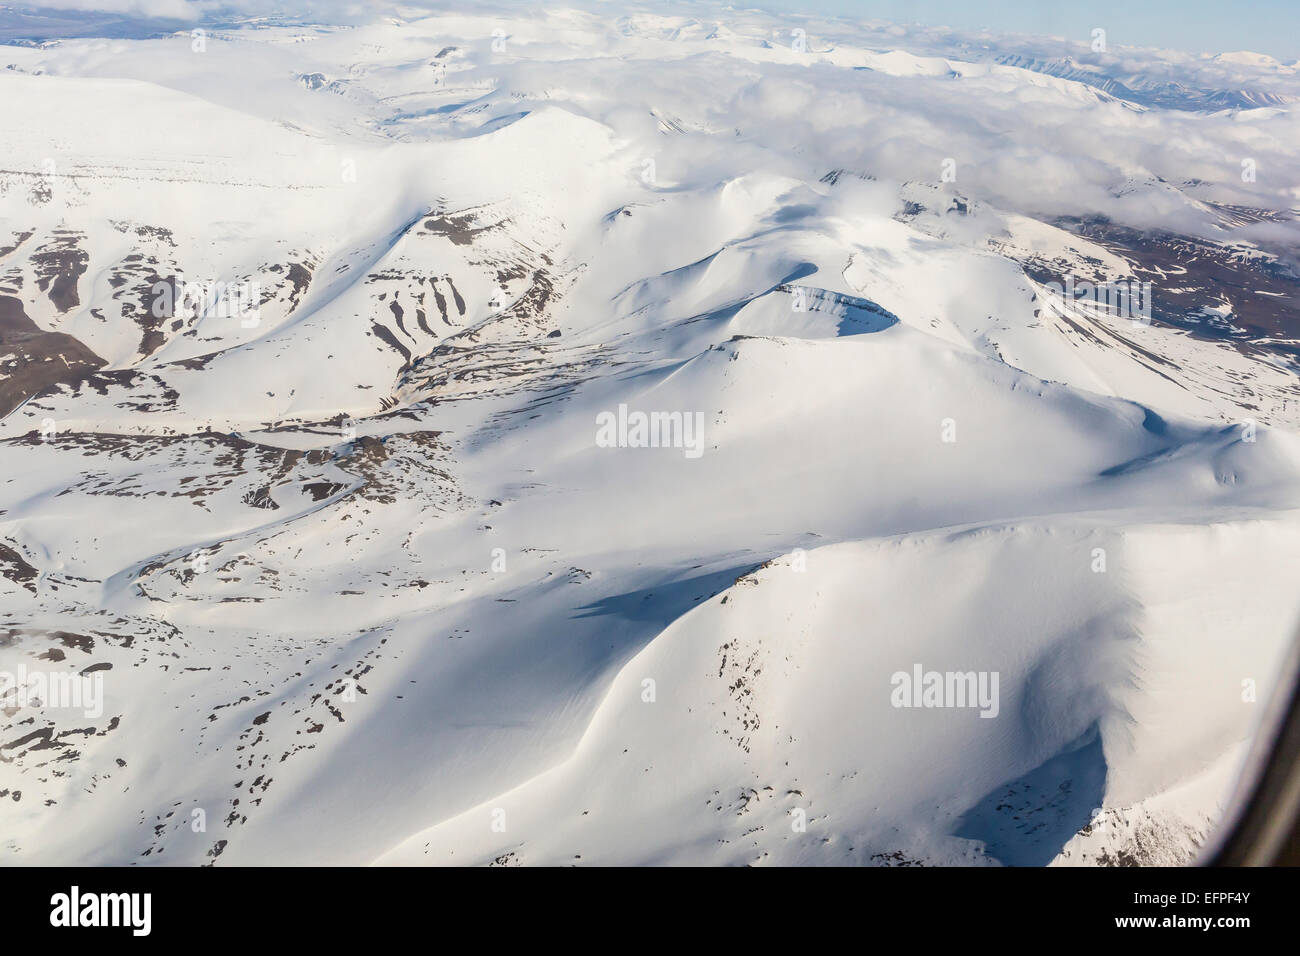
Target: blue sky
1199 26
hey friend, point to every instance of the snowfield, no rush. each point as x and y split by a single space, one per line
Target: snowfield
639 438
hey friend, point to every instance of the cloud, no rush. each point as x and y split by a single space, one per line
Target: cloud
1023 140
322 11
162 9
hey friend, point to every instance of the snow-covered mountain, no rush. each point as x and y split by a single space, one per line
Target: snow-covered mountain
521 438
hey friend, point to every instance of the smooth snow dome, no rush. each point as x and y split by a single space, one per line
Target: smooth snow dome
488 436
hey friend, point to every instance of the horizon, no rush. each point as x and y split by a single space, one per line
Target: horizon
1194 27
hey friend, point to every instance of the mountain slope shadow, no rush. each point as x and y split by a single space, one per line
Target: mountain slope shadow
666 602
1027 821
860 316
728 312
